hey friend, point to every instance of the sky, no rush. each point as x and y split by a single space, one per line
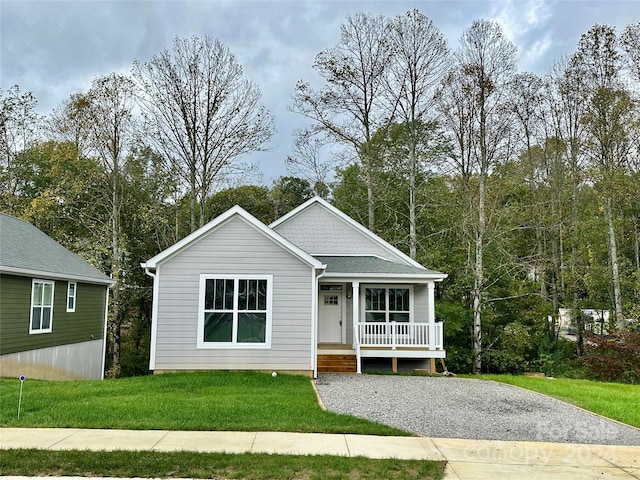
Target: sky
56 48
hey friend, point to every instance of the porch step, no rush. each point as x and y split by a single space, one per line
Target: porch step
342 363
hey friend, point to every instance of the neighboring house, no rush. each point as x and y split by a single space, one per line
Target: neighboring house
53 307
595 321
314 291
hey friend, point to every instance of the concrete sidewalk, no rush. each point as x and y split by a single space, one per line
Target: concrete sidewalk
466 459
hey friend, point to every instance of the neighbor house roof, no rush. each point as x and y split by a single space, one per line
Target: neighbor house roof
371 266
25 250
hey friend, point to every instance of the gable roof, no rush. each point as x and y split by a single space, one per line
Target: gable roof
352 223
233 212
27 251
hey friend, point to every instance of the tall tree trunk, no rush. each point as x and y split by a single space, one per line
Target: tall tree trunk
478 278
116 271
636 247
413 239
613 254
369 181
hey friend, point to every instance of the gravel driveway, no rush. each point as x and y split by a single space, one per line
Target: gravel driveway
466 408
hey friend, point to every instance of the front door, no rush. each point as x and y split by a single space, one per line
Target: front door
330 314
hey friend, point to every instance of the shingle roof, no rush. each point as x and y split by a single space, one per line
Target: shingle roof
26 250
370 265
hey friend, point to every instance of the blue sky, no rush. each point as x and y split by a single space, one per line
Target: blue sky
55 48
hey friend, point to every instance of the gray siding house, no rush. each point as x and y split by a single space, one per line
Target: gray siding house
313 292
53 307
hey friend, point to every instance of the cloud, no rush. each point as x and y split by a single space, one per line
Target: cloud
56 48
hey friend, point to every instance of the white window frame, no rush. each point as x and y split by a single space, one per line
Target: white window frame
33 306
363 301
72 296
234 343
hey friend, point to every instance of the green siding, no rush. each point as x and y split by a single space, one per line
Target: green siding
86 323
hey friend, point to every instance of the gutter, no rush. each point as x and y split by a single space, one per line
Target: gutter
317 274
154 316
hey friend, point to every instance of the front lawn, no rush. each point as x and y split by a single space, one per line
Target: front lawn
240 401
191 401
252 466
618 401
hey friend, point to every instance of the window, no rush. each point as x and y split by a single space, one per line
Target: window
331 299
71 297
387 304
41 306
235 311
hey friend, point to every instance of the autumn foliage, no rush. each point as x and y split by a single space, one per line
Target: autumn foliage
613 358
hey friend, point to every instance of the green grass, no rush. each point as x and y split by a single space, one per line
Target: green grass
193 401
613 400
239 401
211 465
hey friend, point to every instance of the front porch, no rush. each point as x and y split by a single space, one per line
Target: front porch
394 340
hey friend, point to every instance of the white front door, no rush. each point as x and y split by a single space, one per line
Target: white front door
330 308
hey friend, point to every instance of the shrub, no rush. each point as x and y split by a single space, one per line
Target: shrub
511 353
555 355
612 358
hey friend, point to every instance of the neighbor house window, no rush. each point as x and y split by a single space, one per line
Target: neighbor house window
235 311
71 296
387 304
41 306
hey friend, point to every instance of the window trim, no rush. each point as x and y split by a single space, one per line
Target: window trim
70 296
201 344
387 287
35 331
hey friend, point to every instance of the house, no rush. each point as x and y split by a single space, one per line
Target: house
594 320
313 292
53 307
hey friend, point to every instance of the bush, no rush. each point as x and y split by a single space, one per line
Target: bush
556 356
612 358
511 353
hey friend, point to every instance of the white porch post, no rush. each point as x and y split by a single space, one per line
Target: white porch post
356 319
431 315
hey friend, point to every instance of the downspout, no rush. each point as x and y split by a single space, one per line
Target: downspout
314 317
104 333
154 313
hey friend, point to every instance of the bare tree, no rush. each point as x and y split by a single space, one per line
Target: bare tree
607 119
108 108
201 113
70 122
525 102
19 124
350 107
630 42
473 102
420 59
308 162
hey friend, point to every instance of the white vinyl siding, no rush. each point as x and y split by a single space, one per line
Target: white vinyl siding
41 306
233 249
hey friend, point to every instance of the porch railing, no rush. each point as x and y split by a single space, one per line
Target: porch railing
400 334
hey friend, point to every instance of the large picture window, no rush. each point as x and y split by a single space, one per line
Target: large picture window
387 304
41 306
235 311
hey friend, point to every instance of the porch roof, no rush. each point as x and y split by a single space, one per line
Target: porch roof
371 265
